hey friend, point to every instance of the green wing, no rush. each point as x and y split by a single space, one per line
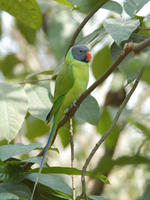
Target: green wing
64 83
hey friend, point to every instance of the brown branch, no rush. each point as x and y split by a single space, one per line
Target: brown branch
72 158
141 45
107 134
86 19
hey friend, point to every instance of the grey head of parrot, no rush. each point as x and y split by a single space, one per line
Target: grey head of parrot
81 53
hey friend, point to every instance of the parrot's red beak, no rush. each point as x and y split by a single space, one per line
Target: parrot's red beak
88 56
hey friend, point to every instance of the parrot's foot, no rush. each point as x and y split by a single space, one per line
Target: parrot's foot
66 110
74 104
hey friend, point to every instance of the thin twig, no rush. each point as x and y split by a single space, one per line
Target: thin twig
140 147
72 158
34 81
144 29
86 19
107 133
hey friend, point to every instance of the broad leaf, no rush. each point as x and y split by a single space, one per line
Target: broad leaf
8 196
103 125
8 63
86 6
13 107
97 35
113 6
28 32
102 60
133 6
21 190
7 151
11 173
53 181
39 99
27 12
88 111
120 29
35 128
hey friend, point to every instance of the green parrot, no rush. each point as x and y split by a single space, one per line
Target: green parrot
71 82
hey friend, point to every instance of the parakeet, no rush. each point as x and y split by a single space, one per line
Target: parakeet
71 82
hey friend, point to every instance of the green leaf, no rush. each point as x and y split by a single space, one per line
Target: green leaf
35 128
103 125
28 12
11 173
133 6
133 65
28 33
94 197
86 6
13 109
64 135
88 111
98 34
102 60
119 29
39 99
8 63
72 171
21 190
55 182
113 6
8 196
66 3
7 151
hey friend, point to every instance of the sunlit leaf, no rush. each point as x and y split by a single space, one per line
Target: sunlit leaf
8 196
39 99
133 6
27 12
13 106
113 6
7 151
120 29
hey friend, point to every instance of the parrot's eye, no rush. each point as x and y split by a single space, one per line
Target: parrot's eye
81 51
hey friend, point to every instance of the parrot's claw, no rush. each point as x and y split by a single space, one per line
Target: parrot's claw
74 104
66 110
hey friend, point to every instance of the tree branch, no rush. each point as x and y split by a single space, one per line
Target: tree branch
86 19
107 134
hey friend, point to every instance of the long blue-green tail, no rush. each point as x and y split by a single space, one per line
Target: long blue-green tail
43 159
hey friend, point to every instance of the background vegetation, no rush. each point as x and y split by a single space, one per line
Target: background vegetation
34 38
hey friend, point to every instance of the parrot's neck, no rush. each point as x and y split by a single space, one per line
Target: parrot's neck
69 57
